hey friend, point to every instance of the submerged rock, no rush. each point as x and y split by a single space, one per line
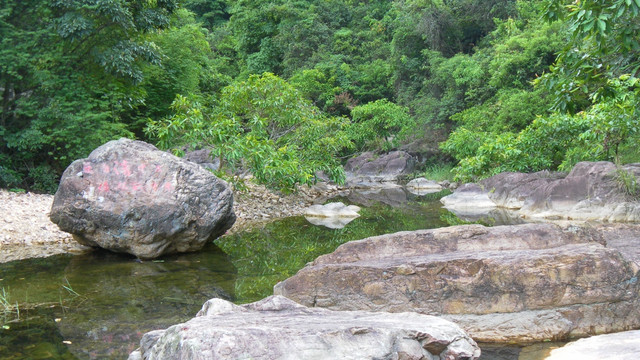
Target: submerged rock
130 197
515 284
620 346
591 191
278 328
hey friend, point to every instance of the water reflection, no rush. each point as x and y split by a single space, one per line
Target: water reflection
102 303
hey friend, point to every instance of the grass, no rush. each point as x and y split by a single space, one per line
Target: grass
438 172
627 183
10 311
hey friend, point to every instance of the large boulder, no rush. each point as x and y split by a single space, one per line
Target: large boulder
515 284
591 191
130 197
620 346
278 328
372 170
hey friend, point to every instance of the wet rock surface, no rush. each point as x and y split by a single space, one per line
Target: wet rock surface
515 284
278 328
130 197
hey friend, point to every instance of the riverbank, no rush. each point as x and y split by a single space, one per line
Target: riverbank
26 231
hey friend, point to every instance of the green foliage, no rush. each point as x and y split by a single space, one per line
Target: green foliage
379 124
627 183
264 125
74 74
69 75
557 141
438 172
604 45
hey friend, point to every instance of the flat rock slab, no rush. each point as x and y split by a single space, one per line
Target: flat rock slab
130 197
620 346
278 328
517 284
591 191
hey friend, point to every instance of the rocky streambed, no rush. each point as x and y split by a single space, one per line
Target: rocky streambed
27 232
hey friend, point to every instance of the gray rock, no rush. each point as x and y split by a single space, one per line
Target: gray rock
392 196
620 346
335 209
370 170
203 158
129 197
591 191
278 328
469 197
422 183
333 215
422 186
330 222
514 284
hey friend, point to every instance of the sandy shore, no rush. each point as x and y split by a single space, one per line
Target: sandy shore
27 232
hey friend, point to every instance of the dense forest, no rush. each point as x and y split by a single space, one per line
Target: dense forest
285 88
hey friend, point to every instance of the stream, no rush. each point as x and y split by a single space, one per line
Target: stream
98 305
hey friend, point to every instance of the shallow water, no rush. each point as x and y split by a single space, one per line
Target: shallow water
98 305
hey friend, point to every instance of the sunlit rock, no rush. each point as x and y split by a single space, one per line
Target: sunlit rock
333 215
130 197
278 328
510 284
620 346
591 191
422 186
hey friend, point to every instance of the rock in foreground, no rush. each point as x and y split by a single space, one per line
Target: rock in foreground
278 328
515 284
130 197
620 346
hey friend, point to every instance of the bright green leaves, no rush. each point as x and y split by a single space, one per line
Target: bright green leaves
70 74
557 141
379 125
264 125
605 42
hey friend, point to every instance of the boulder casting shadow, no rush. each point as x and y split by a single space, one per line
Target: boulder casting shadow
129 197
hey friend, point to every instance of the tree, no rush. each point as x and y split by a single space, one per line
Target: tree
264 125
604 44
68 71
379 125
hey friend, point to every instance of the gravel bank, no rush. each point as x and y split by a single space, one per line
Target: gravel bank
27 232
